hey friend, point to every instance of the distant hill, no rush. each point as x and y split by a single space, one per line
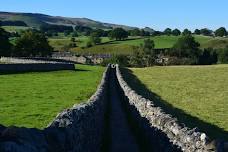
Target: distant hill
36 20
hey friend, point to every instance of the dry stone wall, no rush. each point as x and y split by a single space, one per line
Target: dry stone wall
188 140
79 129
33 64
82 128
35 67
30 60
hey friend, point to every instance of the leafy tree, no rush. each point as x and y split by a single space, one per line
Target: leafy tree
73 39
89 44
99 33
176 32
148 44
84 30
144 55
208 57
223 55
73 43
67 32
122 60
75 34
186 32
144 33
94 38
206 32
197 32
221 32
5 45
135 32
167 31
150 52
186 46
118 34
136 59
157 33
32 43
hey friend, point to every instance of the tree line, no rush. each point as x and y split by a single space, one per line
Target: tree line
12 23
32 43
220 32
186 51
120 34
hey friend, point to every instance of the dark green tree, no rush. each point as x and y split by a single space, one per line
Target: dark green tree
73 43
135 32
67 32
5 45
136 59
118 34
223 55
148 44
32 43
176 32
73 39
208 57
186 32
122 60
94 38
186 46
221 32
206 32
99 33
149 53
167 31
75 34
145 55
197 32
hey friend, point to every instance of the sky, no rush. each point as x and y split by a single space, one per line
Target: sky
157 14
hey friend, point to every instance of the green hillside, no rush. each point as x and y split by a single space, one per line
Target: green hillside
36 20
126 47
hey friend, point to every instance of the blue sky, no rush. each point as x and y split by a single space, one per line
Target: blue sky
157 14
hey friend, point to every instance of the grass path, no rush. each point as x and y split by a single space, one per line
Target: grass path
34 99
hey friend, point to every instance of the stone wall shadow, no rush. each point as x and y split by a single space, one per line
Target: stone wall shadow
214 132
149 139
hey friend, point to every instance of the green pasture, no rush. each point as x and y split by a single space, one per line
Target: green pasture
196 95
126 47
34 99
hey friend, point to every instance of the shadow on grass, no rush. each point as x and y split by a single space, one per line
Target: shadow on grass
27 72
82 70
213 131
118 41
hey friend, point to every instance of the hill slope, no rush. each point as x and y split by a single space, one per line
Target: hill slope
36 20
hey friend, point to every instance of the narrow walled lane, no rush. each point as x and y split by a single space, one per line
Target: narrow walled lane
121 137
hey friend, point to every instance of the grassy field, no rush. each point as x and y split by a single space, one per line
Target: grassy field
196 95
62 42
125 47
34 99
18 29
